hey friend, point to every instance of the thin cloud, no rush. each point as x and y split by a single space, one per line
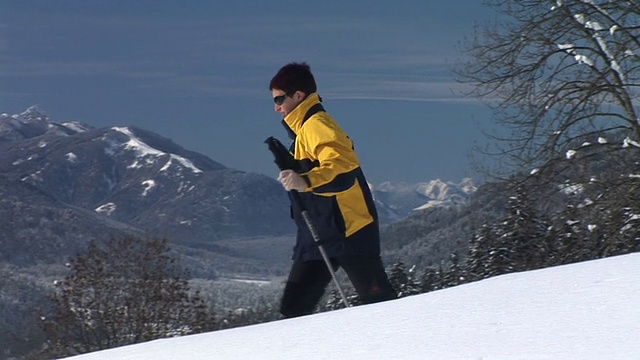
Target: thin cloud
400 90
365 58
86 68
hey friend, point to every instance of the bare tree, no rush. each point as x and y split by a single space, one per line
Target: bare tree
557 74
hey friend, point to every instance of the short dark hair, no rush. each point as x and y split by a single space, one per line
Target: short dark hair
293 77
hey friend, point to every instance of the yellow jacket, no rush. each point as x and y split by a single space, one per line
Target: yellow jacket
338 197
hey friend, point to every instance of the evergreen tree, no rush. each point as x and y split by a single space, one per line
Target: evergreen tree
430 280
569 238
125 292
480 249
455 274
402 281
517 242
335 302
620 225
630 230
525 233
601 228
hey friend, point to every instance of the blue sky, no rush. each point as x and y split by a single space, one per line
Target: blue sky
198 73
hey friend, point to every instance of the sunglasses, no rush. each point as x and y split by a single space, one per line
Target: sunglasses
279 99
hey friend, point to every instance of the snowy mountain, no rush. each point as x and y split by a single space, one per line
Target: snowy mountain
127 179
79 183
32 123
140 179
397 200
581 311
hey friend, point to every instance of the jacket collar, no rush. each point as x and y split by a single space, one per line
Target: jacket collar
295 119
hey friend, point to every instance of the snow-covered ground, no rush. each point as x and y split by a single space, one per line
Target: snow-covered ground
589 310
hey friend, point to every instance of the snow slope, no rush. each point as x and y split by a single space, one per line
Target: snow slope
589 310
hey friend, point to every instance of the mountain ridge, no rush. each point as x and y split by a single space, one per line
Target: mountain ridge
397 200
123 180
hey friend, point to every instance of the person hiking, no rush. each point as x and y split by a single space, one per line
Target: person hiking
333 189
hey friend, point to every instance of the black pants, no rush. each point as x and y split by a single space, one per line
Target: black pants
308 280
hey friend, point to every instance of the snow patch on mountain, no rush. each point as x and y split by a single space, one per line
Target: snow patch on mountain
106 209
186 187
146 153
148 185
76 126
71 157
35 177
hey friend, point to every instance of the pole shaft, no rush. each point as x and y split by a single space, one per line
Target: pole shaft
316 238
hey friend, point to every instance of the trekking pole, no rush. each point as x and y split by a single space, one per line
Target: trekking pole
285 162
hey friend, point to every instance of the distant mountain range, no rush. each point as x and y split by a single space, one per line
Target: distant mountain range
126 179
64 183
397 200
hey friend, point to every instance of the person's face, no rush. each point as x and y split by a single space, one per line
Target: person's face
284 104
